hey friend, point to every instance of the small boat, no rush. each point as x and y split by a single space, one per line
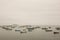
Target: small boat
23 32
44 28
30 28
49 27
48 30
6 28
58 28
55 32
18 30
36 27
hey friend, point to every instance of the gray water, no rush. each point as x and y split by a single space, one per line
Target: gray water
37 34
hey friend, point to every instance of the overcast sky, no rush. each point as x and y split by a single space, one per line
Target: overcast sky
30 12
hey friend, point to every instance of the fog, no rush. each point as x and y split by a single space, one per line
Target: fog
32 12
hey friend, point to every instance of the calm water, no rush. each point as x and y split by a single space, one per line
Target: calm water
37 34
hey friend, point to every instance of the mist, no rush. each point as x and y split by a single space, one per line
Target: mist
32 12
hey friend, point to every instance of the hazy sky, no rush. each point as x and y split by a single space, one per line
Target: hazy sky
30 12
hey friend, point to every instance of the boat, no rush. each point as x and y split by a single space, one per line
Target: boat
23 31
36 27
55 32
48 30
30 29
49 27
58 28
44 28
17 30
6 28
